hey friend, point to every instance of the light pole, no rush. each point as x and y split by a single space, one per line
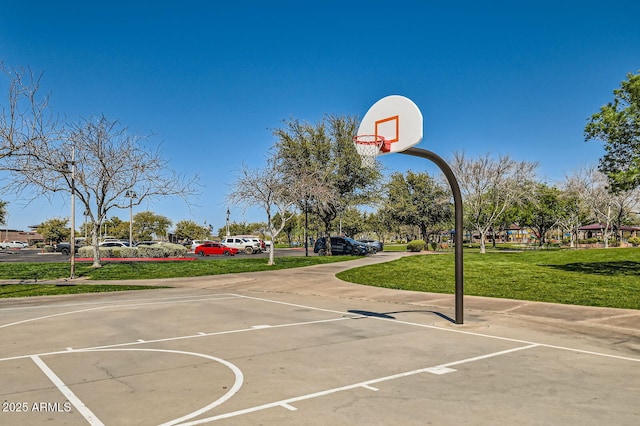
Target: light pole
72 235
86 223
228 213
72 245
131 194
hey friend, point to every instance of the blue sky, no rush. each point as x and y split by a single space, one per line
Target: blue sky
211 79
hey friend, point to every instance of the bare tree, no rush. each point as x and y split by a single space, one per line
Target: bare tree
271 190
489 187
100 163
604 206
24 118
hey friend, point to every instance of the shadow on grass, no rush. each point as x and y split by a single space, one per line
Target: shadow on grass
387 315
624 267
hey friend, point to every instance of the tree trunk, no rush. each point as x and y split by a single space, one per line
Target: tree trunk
271 251
483 246
96 245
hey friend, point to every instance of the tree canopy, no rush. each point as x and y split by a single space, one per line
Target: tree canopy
617 124
418 200
324 155
54 230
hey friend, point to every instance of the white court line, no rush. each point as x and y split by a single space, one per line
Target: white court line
124 301
51 316
71 397
366 384
112 306
172 339
237 384
433 327
441 369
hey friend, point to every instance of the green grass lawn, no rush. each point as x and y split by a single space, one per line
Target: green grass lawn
596 277
136 270
608 278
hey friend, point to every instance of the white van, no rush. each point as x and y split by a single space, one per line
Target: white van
243 244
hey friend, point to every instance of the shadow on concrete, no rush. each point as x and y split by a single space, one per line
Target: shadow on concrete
387 315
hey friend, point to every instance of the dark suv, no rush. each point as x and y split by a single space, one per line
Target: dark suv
341 245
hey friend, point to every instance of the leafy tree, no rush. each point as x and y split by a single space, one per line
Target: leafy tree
351 222
148 226
618 125
323 157
117 228
241 228
54 230
290 226
418 200
190 230
542 211
505 220
576 213
376 223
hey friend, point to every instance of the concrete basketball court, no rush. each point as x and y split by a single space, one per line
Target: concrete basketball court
302 347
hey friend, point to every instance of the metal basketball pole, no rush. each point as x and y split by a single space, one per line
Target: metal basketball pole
457 202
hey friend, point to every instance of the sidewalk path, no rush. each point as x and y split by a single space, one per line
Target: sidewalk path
320 280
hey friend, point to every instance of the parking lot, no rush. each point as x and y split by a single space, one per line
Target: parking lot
301 347
36 255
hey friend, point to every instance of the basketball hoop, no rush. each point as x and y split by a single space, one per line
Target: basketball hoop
368 146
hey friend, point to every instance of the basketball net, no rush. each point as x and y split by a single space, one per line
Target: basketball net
368 146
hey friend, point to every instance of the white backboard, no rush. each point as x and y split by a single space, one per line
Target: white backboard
395 118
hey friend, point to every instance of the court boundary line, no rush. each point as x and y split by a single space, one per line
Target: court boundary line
287 403
438 369
84 411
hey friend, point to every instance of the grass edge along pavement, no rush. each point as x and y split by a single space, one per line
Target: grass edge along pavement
31 276
595 277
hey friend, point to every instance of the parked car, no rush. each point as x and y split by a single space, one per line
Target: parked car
341 245
114 244
65 248
146 243
196 243
375 244
208 249
243 244
254 239
13 245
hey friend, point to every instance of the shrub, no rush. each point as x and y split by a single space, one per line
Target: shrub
416 245
433 245
151 251
162 250
86 251
48 249
128 252
634 241
157 250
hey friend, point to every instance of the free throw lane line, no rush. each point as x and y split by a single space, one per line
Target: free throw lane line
71 397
